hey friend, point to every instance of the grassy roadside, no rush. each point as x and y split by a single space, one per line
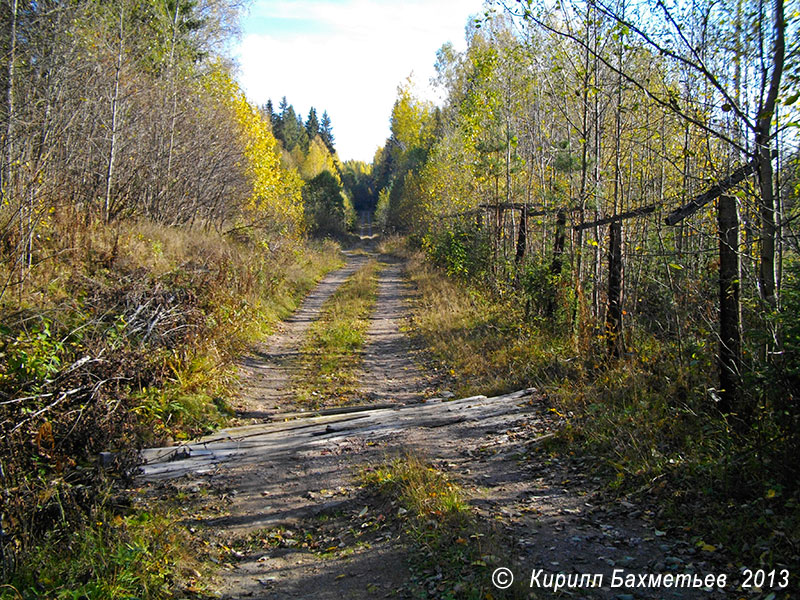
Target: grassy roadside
115 554
331 355
659 440
483 344
452 553
129 338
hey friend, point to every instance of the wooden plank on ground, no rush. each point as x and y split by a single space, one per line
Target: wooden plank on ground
256 444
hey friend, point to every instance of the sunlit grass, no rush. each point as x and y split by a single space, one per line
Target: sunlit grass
157 317
484 345
647 418
452 552
134 554
423 490
331 354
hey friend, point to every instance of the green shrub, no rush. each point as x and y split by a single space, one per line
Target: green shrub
462 253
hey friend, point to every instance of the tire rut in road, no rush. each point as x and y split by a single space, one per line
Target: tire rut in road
292 480
389 373
303 486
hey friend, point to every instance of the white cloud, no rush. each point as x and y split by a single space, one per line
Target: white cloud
346 57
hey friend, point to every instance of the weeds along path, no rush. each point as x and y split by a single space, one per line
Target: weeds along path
263 487
270 367
279 500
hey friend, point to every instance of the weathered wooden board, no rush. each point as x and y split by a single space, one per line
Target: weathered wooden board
268 441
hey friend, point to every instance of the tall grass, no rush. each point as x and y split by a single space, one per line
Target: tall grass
135 554
648 418
484 344
120 336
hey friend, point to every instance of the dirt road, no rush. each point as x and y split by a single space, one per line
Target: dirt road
273 473
269 368
281 492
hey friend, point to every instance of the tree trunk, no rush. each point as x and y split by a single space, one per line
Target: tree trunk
174 96
558 252
522 235
558 245
763 155
112 151
6 157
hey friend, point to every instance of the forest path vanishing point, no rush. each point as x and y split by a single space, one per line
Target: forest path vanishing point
279 497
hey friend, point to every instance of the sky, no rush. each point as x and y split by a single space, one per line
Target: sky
346 57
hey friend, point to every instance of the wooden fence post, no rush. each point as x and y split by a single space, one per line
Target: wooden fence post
522 236
558 244
613 327
729 307
614 311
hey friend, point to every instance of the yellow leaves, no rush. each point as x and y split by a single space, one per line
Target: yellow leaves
706 547
44 438
410 117
317 160
275 198
275 191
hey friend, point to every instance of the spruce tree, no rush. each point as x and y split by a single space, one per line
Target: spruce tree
312 123
326 132
292 129
279 120
302 137
268 112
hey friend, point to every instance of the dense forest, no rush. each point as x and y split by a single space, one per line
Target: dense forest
621 179
153 220
613 186
631 181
